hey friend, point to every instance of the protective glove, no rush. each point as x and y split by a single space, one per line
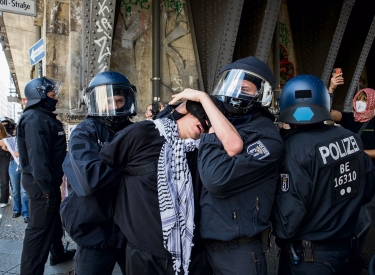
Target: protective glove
52 202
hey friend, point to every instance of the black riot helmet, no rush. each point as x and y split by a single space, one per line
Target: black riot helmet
36 89
304 99
245 84
111 96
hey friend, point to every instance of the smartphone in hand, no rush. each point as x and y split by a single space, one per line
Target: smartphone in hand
337 71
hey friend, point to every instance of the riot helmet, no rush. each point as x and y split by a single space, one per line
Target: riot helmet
110 95
36 89
304 99
245 84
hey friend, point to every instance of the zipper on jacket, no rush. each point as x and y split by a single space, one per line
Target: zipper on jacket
234 215
257 203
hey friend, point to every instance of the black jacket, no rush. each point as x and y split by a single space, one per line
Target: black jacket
239 191
137 209
42 148
325 177
87 213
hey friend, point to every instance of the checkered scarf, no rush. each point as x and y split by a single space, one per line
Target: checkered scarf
369 113
175 192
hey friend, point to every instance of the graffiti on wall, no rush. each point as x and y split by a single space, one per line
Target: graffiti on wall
143 4
178 66
98 38
284 35
175 5
286 66
134 27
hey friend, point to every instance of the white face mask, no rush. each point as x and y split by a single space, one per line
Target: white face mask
360 106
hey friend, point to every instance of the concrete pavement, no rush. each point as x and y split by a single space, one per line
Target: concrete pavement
12 232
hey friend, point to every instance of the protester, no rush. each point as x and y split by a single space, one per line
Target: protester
42 149
148 113
153 109
158 200
238 191
325 177
87 212
4 166
9 125
363 115
20 199
362 122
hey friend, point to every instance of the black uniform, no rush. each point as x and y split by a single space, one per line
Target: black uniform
324 178
238 194
42 149
88 211
137 209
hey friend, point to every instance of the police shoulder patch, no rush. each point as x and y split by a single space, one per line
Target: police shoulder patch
258 150
284 182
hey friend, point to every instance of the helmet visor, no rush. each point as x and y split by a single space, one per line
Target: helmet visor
51 85
245 85
111 100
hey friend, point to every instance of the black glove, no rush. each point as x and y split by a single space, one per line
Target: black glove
52 202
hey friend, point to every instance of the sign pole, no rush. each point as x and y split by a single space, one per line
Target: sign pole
40 71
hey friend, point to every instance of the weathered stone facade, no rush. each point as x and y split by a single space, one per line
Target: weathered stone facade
131 54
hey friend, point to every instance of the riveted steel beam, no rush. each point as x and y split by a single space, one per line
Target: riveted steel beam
216 26
359 68
97 37
267 30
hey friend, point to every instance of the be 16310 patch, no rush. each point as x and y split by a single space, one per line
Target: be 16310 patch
345 180
258 150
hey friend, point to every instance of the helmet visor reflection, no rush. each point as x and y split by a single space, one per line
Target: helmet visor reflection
111 100
51 85
235 83
242 84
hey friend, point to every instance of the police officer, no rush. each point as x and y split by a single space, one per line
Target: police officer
238 191
42 149
87 212
8 124
324 178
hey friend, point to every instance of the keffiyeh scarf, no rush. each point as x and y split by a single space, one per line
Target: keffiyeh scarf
175 193
369 113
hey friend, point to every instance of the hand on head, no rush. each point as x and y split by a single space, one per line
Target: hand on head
188 94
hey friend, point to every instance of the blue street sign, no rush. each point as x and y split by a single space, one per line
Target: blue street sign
37 52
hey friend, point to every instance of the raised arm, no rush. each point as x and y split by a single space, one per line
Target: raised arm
336 80
223 129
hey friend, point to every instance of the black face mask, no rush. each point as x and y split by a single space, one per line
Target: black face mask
240 120
197 110
116 123
49 104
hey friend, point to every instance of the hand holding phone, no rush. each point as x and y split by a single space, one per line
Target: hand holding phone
337 71
336 79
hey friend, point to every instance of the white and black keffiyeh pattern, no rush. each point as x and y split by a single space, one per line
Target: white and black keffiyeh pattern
175 192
